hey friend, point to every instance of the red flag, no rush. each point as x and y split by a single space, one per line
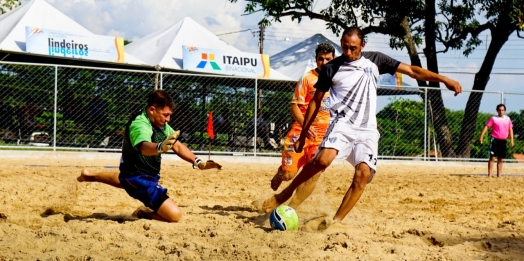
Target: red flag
210 131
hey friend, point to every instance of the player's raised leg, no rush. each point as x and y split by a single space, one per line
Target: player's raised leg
109 178
304 190
321 161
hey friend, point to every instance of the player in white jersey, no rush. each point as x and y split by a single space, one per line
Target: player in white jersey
352 134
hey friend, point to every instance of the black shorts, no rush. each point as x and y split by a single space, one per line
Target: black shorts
497 148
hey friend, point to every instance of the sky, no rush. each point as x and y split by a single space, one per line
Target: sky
133 19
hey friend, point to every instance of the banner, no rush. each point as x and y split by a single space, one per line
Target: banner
72 45
225 62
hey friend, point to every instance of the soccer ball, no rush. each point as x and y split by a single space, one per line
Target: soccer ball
283 218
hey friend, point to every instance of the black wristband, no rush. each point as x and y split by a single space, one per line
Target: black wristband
159 147
196 162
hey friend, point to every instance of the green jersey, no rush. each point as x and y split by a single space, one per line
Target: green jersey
139 129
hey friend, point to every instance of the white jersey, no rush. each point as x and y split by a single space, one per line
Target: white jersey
353 87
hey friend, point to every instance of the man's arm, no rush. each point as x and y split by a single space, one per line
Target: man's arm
296 113
309 118
482 134
148 148
418 73
511 136
183 152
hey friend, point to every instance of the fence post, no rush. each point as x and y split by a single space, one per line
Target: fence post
161 81
502 98
425 121
55 108
255 119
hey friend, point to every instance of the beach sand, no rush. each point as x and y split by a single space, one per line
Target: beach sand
410 211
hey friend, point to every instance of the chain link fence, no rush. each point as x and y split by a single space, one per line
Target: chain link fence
79 108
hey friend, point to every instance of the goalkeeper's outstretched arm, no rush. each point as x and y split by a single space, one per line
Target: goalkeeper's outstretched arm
184 153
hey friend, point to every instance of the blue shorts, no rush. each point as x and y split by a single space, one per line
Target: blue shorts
146 189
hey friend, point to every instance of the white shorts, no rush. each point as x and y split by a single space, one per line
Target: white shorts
354 145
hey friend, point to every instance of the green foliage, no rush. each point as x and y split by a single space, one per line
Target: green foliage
8 5
401 127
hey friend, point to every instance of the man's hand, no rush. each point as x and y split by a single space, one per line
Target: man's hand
299 145
453 86
210 164
480 139
311 133
168 142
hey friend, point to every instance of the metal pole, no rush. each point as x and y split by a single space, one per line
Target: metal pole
256 118
55 108
156 81
425 121
161 81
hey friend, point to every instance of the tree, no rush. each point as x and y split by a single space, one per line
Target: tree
8 5
408 22
504 17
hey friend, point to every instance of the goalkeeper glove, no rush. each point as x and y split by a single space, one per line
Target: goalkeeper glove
168 142
210 164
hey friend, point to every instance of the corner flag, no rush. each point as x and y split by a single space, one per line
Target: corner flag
210 130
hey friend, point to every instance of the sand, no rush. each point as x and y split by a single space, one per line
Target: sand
409 212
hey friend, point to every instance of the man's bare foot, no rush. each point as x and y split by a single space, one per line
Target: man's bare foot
143 213
270 204
276 181
85 176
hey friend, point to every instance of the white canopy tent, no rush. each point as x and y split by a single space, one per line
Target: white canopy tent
164 47
39 13
300 58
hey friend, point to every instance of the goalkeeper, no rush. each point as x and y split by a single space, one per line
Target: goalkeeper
147 136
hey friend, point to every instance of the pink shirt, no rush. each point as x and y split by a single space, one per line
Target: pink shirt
500 126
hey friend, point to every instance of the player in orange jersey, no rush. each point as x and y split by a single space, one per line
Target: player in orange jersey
304 92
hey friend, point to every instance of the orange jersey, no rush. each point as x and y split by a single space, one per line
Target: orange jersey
304 92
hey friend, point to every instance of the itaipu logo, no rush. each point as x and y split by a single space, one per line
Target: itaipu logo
208 57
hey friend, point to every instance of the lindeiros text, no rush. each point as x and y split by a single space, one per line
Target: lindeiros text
67 49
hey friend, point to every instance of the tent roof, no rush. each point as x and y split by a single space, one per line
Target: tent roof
164 47
296 60
39 13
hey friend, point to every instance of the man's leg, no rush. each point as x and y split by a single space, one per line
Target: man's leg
490 164
304 190
168 212
321 161
109 178
360 179
500 160
280 176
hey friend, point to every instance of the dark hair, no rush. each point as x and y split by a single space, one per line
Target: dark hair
160 99
501 105
354 30
325 47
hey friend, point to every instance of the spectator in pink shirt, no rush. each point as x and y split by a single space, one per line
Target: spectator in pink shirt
501 128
